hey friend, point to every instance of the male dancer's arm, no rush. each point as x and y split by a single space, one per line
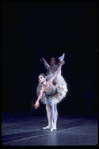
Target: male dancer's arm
45 63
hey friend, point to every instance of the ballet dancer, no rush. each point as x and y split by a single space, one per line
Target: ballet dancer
51 94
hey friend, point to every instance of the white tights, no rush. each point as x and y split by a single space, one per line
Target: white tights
52 114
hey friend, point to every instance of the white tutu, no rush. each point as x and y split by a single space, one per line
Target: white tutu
61 87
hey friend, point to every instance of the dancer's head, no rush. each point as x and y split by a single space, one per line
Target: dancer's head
52 61
41 78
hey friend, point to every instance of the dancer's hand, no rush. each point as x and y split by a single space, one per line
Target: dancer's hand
36 105
42 59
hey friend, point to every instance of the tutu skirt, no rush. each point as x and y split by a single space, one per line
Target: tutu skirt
61 90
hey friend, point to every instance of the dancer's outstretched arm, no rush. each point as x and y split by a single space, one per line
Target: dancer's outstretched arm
56 73
36 105
45 63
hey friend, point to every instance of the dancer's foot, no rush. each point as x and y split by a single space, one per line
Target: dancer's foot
47 127
53 128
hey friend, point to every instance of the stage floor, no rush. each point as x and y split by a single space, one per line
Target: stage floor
26 130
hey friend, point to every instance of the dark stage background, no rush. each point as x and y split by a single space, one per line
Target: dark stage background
33 30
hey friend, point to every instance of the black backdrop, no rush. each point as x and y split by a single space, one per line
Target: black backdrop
33 30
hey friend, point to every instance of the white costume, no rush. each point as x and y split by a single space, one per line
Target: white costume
54 95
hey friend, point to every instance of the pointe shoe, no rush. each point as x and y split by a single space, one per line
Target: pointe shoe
47 127
53 128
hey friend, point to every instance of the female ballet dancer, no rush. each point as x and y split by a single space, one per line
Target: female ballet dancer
51 94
